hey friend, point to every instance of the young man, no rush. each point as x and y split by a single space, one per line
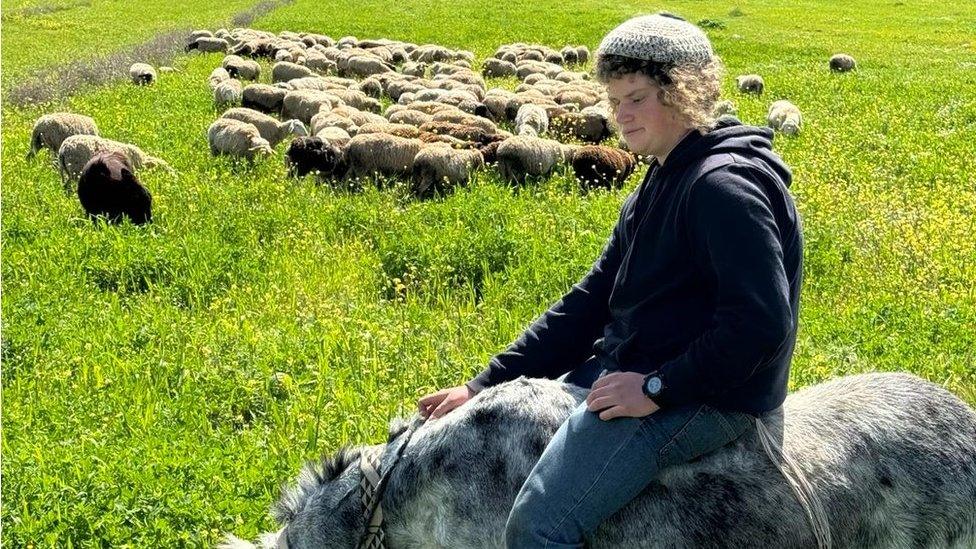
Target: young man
687 321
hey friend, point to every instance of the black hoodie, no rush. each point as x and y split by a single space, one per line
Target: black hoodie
700 281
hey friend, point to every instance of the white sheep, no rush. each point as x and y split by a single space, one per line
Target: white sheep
785 117
522 156
208 44
238 67
438 168
52 129
335 135
304 104
327 119
723 108
380 153
264 98
270 128
284 71
235 138
77 150
531 118
217 76
142 74
750 83
228 93
409 116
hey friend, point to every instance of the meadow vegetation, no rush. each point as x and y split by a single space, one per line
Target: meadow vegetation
140 403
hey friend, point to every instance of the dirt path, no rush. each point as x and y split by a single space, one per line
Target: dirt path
59 81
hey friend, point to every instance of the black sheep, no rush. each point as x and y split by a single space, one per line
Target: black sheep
314 154
109 188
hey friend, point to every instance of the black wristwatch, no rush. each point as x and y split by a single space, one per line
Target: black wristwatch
653 386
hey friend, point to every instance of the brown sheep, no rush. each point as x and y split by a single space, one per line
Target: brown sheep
600 166
109 187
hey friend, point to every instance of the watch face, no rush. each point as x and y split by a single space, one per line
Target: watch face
654 385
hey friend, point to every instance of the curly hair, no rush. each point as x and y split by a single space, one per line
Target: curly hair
691 90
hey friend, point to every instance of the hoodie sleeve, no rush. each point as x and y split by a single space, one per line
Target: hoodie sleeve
562 337
736 241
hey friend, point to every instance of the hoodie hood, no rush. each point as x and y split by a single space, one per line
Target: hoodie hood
750 144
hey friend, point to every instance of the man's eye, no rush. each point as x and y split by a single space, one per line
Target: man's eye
639 99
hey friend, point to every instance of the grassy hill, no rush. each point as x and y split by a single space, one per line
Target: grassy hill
138 405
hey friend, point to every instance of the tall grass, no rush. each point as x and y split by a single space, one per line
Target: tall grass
140 402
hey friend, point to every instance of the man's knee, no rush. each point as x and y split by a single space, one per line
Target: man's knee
530 524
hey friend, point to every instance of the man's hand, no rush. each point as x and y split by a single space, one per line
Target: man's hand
443 401
620 394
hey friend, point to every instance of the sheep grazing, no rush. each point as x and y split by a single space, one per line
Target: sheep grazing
109 188
401 130
337 136
52 129
362 66
284 71
462 132
304 104
409 116
437 169
264 98
591 125
497 68
316 155
724 107
379 153
531 118
208 44
77 150
243 69
600 166
228 94
522 156
327 119
270 128
217 76
841 62
570 56
750 83
142 74
784 117
235 138
490 152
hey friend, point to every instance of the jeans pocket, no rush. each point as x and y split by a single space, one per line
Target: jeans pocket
706 431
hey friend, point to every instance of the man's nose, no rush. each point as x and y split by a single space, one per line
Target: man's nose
622 114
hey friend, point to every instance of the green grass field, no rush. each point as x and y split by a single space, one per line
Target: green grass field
137 408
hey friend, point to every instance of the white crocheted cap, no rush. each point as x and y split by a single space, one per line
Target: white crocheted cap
662 38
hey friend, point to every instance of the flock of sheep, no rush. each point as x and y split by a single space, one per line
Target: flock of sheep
443 123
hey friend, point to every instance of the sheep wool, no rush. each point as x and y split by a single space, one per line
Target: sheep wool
109 188
380 153
531 117
77 150
750 83
235 138
262 97
841 62
600 166
522 156
50 130
228 93
785 117
437 169
142 74
270 128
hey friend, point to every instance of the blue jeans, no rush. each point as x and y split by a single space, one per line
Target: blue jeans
592 468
